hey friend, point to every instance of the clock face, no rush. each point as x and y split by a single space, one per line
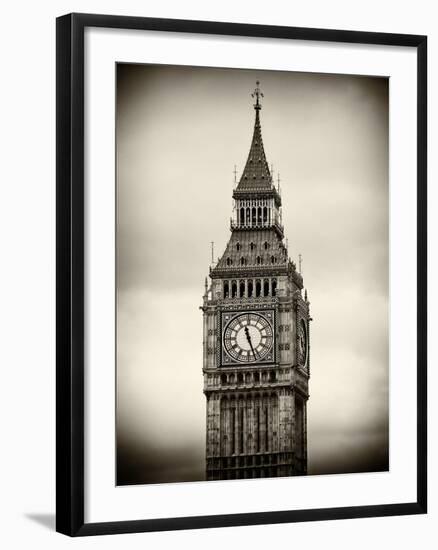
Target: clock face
302 343
248 338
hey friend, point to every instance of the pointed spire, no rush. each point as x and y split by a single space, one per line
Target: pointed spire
256 175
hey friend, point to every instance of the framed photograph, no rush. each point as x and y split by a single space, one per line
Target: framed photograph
241 274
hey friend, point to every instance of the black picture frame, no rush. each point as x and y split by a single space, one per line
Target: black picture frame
70 273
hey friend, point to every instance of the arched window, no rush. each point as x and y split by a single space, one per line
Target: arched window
226 289
252 246
242 261
259 215
258 288
248 216
272 259
254 216
240 378
272 377
259 260
274 287
266 245
266 287
265 215
242 216
223 378
256 377
242 289
250 289
233 289
238 246
229 261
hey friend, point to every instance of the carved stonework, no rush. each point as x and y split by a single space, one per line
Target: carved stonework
256 349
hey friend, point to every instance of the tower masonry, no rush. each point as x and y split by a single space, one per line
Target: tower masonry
256 355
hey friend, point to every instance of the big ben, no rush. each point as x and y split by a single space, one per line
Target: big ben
256 361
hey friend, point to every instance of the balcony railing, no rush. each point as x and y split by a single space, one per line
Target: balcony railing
262 225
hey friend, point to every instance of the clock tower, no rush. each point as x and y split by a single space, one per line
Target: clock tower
256 337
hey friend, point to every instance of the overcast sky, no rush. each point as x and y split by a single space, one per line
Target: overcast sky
180 131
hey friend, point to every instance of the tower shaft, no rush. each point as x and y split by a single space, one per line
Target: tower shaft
256 363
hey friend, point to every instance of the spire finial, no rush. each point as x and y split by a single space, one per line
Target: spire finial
300 262
235 174
257 94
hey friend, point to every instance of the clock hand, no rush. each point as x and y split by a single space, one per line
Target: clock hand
248 337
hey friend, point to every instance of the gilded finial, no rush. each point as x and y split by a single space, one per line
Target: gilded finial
257 94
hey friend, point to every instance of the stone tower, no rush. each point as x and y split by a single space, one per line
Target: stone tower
256 338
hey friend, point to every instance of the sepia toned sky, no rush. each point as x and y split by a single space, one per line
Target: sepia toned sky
180 131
